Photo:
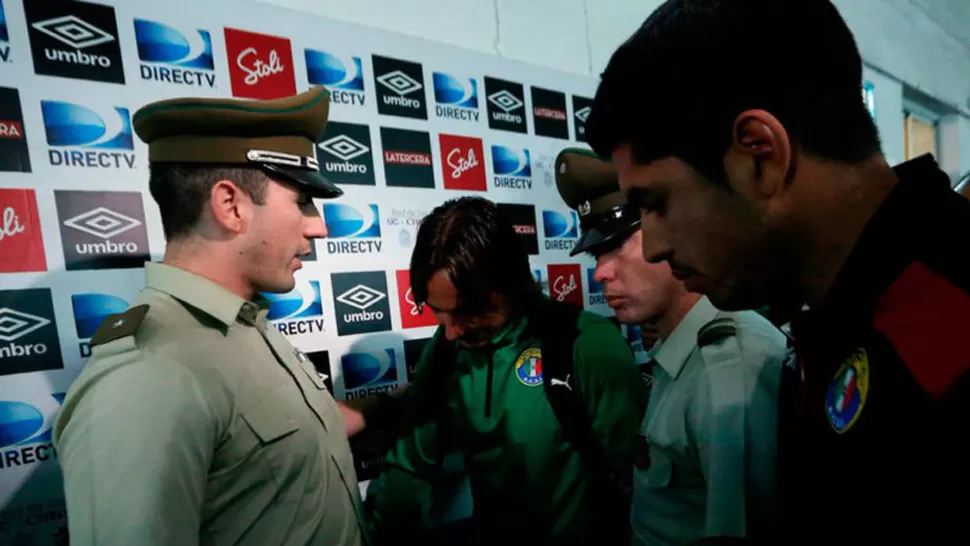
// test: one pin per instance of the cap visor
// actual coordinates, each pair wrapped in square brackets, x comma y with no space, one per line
[312,182]
[589,239]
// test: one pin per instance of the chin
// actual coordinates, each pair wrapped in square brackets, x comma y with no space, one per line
[279,286]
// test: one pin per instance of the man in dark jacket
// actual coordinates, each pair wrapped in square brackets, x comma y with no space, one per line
[738,129]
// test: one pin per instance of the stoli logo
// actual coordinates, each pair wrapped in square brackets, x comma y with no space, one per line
[562,288]
[461,164]
[255,68]
[409,298]
[412,316]
[11,224]
[565,285]
[21,242]
[263,67]
[462,169]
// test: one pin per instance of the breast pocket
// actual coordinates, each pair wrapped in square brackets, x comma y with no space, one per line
[256,444]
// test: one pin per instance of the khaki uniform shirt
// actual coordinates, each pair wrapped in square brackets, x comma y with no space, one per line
[711,428]
[203,426]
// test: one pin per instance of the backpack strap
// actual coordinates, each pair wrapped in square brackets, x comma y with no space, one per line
[556,325]
[444,358]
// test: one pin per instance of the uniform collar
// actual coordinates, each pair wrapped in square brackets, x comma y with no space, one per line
[205,295]
[890,240]
[672,352]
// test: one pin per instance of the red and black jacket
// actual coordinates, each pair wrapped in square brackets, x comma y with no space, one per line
[874,439]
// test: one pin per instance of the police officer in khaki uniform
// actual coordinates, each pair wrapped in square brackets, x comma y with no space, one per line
[706,461]
[195,421]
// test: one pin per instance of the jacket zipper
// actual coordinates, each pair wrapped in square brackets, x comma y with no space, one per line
[488,384]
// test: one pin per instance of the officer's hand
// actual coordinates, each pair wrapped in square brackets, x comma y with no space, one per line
[358,412]
[354,421]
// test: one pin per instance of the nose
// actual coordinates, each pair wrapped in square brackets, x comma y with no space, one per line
[452,330]
[654,247]
[314,227]
[604,271]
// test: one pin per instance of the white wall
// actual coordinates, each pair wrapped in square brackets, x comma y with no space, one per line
[899,41]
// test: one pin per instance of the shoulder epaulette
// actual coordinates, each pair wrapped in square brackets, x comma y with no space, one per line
[120,325]
[716,330]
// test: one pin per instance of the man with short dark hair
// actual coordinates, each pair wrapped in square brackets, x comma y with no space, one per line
[738,129]
[195,421]
[485,387]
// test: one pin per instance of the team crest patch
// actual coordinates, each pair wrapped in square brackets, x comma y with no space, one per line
[847,392]
[528,367]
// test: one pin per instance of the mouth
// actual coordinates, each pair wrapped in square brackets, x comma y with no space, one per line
[613,299]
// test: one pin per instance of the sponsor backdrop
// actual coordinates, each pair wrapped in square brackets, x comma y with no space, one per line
[413,123]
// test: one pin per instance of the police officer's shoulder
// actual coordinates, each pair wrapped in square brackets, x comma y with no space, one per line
[741,333]
[120,325]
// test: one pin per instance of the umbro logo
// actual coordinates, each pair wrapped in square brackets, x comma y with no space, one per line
[361,297]
[505,100]
[74,40]
[360,301]
[73,31]
[344,147]
[505,105]
[583,113]
[28,332]
[399,82]
[102,222]
[398,87]
[17,324]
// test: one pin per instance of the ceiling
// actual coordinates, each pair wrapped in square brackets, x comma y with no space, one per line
[953,16]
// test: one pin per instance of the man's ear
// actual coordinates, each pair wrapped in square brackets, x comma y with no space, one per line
[230,206]
[759,159]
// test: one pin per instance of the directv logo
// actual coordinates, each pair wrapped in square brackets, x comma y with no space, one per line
[85,136]
[90,310]
[561,230]
[512,168]
[359,227]
[25,430]
[299,311]
[370,373]
[4,37]
[171,56]
[455,98]
[342,76]
[596,295]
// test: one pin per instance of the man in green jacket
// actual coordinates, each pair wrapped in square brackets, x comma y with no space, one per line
[529,485]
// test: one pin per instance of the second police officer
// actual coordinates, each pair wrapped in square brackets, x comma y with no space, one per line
[706,461]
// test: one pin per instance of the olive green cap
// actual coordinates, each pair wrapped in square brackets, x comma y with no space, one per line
[278,135]
[589,185]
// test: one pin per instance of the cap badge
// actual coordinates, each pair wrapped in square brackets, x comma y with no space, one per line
[282,158]
[584,208]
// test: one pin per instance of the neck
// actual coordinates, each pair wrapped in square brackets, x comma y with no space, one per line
[679,306]
[213,262]
[849,198]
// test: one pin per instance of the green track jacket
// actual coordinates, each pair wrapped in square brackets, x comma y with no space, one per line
[526,481]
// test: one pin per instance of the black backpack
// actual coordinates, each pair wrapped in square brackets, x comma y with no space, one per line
[554,323]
